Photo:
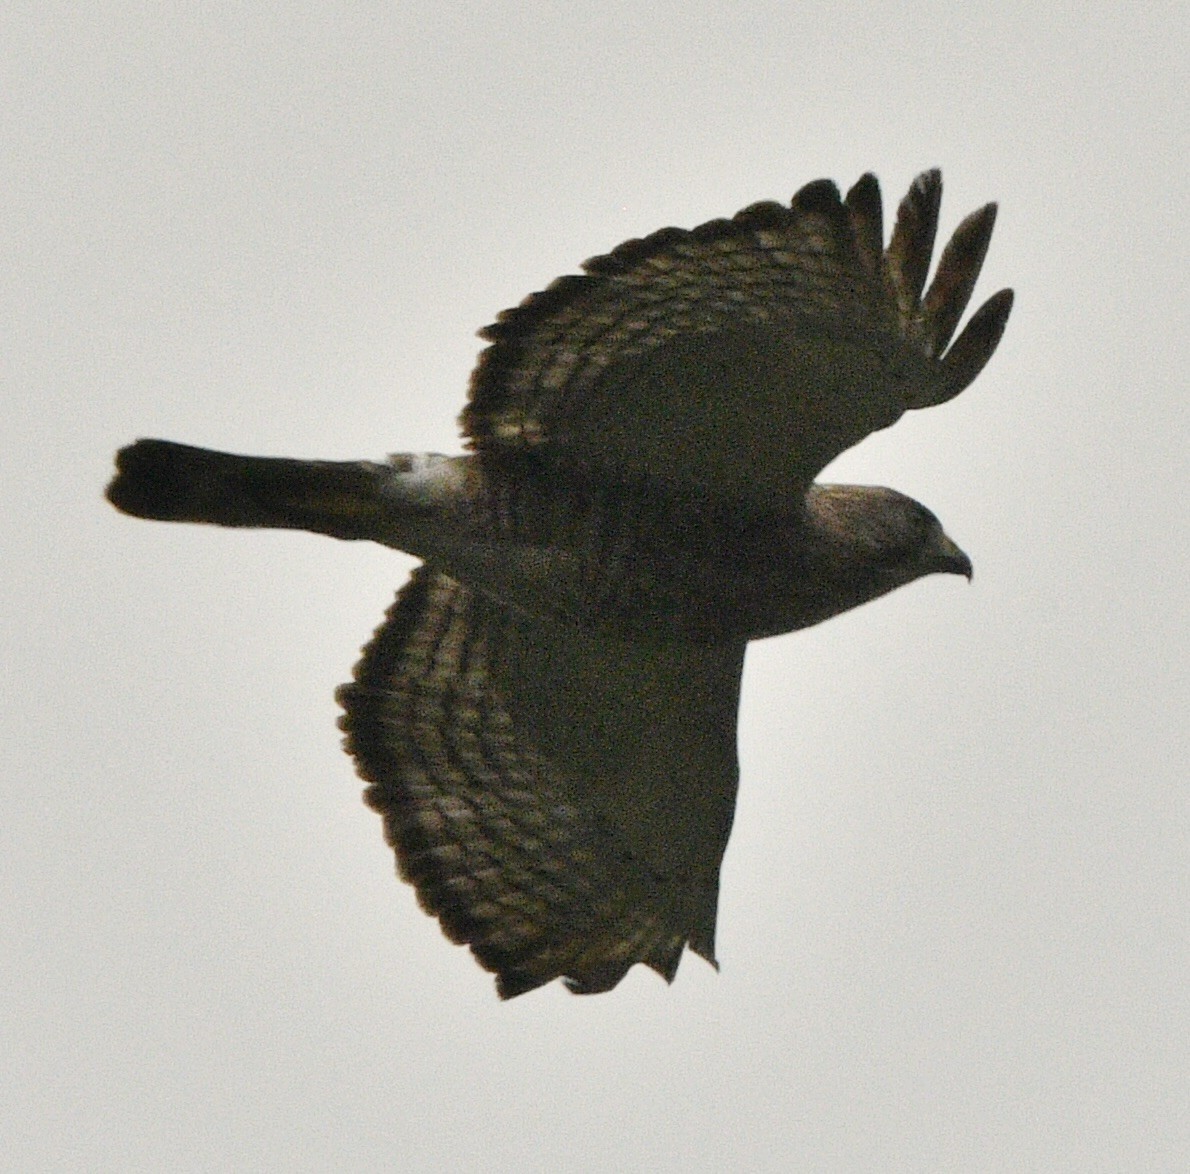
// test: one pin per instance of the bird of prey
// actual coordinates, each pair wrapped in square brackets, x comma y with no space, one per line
[546,719]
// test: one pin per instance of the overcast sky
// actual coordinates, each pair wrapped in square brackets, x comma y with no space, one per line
[954,920]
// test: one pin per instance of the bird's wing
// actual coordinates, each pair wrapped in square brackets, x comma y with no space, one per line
[560,800]
[742,356]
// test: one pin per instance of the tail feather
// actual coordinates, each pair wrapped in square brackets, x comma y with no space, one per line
[170,482]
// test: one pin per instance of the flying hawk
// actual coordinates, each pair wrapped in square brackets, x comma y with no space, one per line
[547,716]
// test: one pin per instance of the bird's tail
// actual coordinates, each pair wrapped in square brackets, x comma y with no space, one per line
[179,483]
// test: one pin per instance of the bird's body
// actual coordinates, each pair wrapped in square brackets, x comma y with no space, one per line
[624,559]
[547,718]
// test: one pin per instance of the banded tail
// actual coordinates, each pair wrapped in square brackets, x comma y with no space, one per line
[170,482]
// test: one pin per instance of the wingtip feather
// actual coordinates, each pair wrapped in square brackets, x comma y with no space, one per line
[954,281]
[912,243]
[820,195]
[866,209]
[977,343]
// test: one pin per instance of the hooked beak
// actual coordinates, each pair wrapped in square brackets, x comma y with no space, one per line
[952,560]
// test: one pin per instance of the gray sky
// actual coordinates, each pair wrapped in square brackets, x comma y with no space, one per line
[953,928]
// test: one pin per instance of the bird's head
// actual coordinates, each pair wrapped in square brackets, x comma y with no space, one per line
[885,530]
[868,541]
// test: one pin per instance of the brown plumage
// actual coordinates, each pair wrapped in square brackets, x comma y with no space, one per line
[546,719]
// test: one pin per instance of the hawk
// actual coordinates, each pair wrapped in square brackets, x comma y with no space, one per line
[546,719]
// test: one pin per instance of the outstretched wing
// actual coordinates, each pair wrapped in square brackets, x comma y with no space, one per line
[560,800]
[742,356]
